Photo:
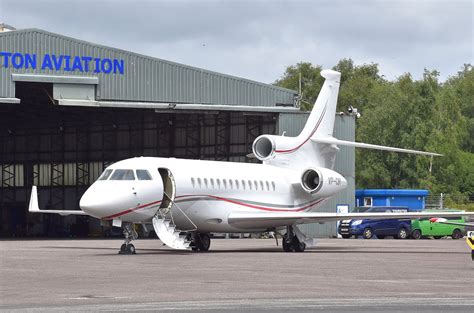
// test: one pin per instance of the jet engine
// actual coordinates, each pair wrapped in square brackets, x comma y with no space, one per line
[264,147]
[322,181]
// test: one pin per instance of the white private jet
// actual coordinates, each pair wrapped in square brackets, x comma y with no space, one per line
[185,200]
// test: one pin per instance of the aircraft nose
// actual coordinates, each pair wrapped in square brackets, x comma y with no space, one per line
[101,200]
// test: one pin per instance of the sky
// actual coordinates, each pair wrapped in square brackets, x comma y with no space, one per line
[258,39]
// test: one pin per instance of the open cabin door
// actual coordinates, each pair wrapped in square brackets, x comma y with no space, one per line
[169,189]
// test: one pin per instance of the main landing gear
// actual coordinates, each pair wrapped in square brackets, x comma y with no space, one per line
[130,234]
[200,241]
[291,243]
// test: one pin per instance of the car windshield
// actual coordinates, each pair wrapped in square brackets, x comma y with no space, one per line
[123,175]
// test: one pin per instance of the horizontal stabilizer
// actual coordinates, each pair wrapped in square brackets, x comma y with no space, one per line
[334,141]
[33,207]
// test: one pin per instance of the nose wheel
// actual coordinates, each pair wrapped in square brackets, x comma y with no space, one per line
[130,234]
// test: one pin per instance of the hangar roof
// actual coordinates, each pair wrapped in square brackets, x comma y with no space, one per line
[82,70]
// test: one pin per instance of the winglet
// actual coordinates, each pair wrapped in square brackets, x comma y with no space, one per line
[33,206]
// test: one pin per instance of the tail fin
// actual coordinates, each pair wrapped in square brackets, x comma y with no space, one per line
[321,120]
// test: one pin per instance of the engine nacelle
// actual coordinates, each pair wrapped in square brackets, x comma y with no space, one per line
[322,181]
[264,147]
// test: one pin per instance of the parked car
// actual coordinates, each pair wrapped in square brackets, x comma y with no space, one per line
[399,228]
[424,228]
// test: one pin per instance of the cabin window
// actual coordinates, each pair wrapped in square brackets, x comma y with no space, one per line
[105,175]
[261,185]
[212,182]
[236,184]
[218,183]
[143,175]
[224,181]
[205,182]
[255,184]
[250,185]
[268,185]
[193,182]
[123,175]
[243,184]
[273,185]
[199,182]
[231,185]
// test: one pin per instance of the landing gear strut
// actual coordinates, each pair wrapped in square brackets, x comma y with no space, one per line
[130,234]
[291,243]
[200,241]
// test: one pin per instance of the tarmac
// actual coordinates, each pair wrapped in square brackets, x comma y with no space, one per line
[239,275]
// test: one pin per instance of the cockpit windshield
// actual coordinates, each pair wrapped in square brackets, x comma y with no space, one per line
[123,175]
[143,175]
[105,175]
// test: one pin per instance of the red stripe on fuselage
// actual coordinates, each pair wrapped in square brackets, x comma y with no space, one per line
[218,198]
[131,210]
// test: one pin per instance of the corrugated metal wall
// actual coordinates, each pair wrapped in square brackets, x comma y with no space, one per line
[144,78]
[344,129]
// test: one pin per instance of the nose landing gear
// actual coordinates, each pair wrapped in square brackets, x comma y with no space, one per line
[130,234]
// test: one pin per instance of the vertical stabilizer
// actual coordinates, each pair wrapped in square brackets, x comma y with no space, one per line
[321,120]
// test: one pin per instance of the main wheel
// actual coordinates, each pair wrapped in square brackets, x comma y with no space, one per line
[416,234]
[205,242]
[367,234]
[402,233]
[287,245]
[297,245]
[457,234]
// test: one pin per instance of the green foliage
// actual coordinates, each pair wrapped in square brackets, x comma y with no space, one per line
[420,114]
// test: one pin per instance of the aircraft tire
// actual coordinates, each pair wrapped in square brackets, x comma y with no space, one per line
[367,234]
[287,245]
[203,242]
[297,245]
[131,249]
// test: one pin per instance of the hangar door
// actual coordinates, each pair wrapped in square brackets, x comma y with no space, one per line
[63,149]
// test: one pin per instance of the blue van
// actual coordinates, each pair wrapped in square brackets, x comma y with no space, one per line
[398,228]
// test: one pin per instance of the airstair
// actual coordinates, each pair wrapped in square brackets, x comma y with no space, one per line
[164,221]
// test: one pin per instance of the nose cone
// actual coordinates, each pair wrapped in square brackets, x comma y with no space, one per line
[104,199]
[91,202]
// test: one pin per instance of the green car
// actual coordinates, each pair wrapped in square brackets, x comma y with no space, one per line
[424,228]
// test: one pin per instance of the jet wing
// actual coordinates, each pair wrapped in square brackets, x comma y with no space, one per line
[33,207]
[334,141]
[276,219]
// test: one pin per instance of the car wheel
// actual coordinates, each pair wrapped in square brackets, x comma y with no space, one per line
[367,234]
[416,234]
[457,234]
[402,233]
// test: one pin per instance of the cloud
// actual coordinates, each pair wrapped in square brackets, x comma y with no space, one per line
[258,39]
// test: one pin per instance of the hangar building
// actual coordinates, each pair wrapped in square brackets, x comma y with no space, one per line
[69,108]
